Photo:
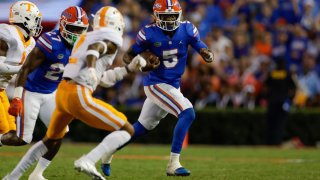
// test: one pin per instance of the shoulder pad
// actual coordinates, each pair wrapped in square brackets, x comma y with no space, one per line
[7,35]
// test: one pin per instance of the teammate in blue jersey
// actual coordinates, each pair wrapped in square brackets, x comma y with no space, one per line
[169,39]
[40,75]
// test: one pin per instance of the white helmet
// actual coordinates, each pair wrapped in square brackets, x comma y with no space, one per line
[109,17]
[28,15]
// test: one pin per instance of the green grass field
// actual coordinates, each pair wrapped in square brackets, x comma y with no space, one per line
[205,162]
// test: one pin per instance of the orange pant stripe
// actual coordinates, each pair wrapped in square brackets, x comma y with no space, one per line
[90,102]
[86,107]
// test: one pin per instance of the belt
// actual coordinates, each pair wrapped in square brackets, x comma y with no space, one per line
[67,79]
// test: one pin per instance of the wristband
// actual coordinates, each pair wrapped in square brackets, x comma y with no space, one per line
[93,53]
[18,92]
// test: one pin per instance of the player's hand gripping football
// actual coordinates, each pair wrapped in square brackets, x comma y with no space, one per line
[207,55]
[16,105]
[137,64]
[152,60]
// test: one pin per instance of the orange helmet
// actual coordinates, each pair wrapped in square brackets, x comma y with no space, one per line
[167,14]
[73,22]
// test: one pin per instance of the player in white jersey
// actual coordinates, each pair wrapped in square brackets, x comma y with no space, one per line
[40,75]
[16,42]
[91,56]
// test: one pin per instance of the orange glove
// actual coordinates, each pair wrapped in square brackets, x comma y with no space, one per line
[16,107]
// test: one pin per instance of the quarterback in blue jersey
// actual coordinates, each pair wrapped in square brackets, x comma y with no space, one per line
[40,75]
[168,38]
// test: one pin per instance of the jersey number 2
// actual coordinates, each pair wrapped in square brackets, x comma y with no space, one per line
[55,71]
[170,58]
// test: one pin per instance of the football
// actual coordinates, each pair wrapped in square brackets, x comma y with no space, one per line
[153,61]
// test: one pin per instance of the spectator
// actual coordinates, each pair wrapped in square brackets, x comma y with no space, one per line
[247,36]
[309,83]
[280,88]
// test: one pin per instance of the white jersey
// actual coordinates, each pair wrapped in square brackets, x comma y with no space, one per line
[18,49]
[77,61]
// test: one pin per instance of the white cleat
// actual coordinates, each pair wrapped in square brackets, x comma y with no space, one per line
[84,165]
[35,176]
[175,169]
[7,177]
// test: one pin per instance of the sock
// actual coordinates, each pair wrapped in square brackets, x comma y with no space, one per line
[106,158]
[33,154]
[139,130]
[186,118]
[174,157]
[41,166]
[109,145]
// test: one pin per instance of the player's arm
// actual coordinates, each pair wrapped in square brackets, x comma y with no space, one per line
[198,45]
[140,45]
[94,52]
[138,48]
[4,67]
[34,59]
[111,76]
[97,50]
[129,55]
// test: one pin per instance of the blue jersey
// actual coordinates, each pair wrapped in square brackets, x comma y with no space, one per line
[172,51]
[46,77]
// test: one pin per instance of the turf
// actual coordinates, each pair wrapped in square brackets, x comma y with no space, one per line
[205,162]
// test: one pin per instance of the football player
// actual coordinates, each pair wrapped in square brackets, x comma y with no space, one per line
[16,42]
[39,77]
[92,54]
[41,74]
[168,38]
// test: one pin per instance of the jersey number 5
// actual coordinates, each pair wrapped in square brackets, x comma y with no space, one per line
[170,58]
[55,71]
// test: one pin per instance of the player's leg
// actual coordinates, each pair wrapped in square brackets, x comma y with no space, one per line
[149,118]
[60,119]
[4,124]
[26,122]
[101,115]
[52,141]
[47,109]
[43,151]
[32,155]
[173,101]
[7,122]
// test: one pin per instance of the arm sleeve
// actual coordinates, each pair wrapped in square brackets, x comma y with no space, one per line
[194,37]
[7,68]
[141,43]
[110,77]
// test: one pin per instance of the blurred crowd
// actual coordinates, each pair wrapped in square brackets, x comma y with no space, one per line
[248,38]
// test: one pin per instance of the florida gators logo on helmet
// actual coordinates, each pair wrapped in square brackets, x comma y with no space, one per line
[73,22]
[167,14]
